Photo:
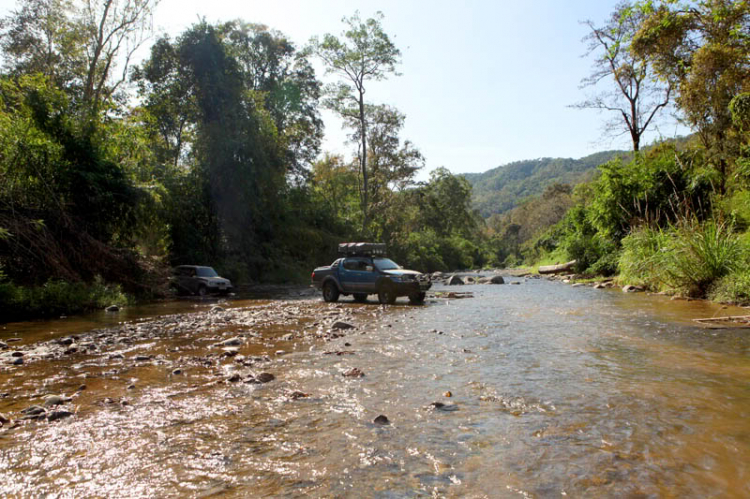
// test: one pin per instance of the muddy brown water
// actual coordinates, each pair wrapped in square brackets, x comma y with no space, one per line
[554,391]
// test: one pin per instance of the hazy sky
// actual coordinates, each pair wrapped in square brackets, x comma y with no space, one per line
[483,82]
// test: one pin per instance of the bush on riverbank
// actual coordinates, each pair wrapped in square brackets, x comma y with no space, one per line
[56,298]
[689,258]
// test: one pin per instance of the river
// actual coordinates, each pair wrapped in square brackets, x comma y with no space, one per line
[534,390]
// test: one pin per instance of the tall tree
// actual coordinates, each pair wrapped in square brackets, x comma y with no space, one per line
[704,48]
[275,70]
[42,36]
[637,96]
[79,45]
[114,29]
[362,54]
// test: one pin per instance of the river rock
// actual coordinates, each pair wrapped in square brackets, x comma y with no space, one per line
[295,395]
[65,342]
[177,372]
[216,309]
[497,279]
[454,280]
[354,373]
[629,288]
[18,361]
[265,377]
[142,358]
[17,354]
[381,420]
[516,283]
[232,342]
[51,400]
[57,415]
[112,308]
[4,419]
[341,325]
[440,406]
[235,378]
[3,345]
[33,410]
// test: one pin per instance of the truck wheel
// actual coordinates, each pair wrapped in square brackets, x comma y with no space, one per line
[417,298]
[360,297]
[330,292]
[386,294]
[202,291]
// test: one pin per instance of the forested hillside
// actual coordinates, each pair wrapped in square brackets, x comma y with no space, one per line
[501,189]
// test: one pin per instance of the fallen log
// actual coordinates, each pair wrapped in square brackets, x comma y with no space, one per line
[554,269]
[729,321]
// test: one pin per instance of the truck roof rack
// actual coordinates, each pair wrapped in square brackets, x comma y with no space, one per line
[363,249]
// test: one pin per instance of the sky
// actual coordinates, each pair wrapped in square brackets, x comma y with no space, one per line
[483,82]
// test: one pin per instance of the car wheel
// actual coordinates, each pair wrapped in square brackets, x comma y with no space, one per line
[386,294]
[330,292]
[202,291]
[417,298]
[360,297]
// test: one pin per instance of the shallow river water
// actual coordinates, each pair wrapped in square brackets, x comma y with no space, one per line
[554,391]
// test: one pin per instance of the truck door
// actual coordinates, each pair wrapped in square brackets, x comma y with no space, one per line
[355,274]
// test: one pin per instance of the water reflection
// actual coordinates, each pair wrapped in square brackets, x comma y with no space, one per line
[553,390]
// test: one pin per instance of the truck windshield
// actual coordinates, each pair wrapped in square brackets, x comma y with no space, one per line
[385,264]
[206,272]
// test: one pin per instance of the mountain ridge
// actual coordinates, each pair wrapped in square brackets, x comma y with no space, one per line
[500,189]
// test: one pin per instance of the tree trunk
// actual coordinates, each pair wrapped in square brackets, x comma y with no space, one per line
[553,269]
[365,186]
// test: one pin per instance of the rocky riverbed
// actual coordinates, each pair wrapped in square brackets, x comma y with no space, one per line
[221,345]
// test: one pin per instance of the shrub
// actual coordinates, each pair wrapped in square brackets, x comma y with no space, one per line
[643,257]
[732,288]
[700,254]
[57,297]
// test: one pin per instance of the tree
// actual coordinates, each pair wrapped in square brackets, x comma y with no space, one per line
[78,47]
[392,164]
[114,29]
[274,69]
[364,53]
[703,47]
[637,96]
[42,36]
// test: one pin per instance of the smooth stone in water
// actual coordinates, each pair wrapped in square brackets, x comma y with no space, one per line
[232,342]
[3,345]
[354,373]
[18,361]
[177,372]
[33,410]
[341,325]
[265,377]
[381,420]
[55,415]
[51,400]
[112,308]
[4,419]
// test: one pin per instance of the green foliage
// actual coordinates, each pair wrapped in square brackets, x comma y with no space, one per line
[689,257]
[643,259]
[733,288]
[56,297]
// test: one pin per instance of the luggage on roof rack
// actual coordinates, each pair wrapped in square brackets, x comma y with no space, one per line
[362,249]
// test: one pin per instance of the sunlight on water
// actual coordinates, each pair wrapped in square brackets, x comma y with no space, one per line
[523,391]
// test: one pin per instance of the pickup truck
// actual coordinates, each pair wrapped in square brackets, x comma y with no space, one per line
[361,275]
